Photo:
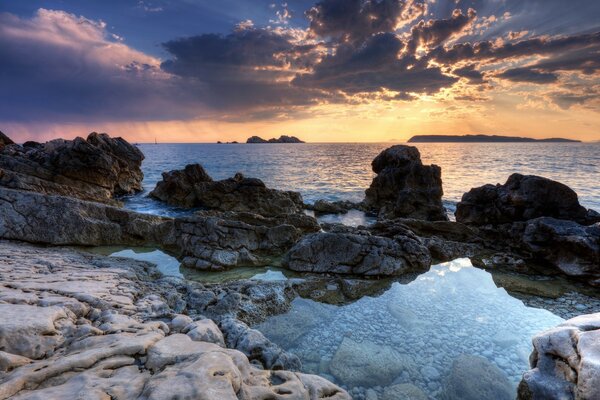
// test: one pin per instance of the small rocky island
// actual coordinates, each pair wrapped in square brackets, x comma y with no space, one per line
[281,139]
[80,325]
[483,139]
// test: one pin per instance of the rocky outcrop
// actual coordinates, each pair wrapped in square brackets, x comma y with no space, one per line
[217,241]
[193,187]
[358,254]
[281,139]
[334,207]
[565,362]
[5,140]
[58,220]
[404,187]
[521,198]
[95,169]
[82,326]
[570,248]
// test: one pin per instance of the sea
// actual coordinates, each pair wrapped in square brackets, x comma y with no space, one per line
[342,171]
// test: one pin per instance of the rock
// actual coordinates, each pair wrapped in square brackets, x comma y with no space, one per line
[569,247]
[95,169]
[475,378]
[205,331]
[257,347]
[404,391]
[358,254]
[521,198]
[281,139]
[368,364]
[336,207]
[565,362]
[256,139]
[5,140]
[84,320]
[58,220]
[192,187]
[404,187]
[180,322]
[223,241]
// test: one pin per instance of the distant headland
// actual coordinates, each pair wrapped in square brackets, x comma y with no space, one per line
[282,139]
[482,138]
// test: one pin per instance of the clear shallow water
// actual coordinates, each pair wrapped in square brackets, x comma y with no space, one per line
[342,171]
[413,332]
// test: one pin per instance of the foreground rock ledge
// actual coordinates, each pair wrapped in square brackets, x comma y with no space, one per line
[77,326]
[565,362]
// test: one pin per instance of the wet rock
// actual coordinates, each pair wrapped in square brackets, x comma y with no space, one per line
[564,362]
[368,364]
[223,241]
[404,391]
[346,253]
[569,247]
[521,198]
[475,378]
[59,220]
[334,207]
[404,187]
[95,169]
[193,187]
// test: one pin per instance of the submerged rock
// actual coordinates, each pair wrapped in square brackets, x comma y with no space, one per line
[368,364]
[521,198]
[96,169]
[565,362]
[403,391]
[358,254]
[193,187]
[404,187]
[475,378]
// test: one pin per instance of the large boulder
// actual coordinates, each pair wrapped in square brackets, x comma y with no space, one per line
[58,220]
[521,198]
[96,169]
[404,187]
[358,254]
[193,187]
[565,362]
[218,241]
[569,247]
[5,140]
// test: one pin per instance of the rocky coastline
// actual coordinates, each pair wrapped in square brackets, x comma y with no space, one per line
[77,324]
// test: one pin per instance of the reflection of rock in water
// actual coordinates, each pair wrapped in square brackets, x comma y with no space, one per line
[475,378]
[368,364]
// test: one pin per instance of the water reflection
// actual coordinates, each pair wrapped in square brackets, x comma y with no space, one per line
[416,334]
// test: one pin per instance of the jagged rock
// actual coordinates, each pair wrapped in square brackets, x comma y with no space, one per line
[521,198]
[222,241]
[105,345]
[193,187]
[335,207]
[368,364]
[404,187]
[347,253]
[475,378]
[256,139]
[571,248]
[256,346]
[565,362]
[281,139]
[59,220]
[5,140]
[95,169]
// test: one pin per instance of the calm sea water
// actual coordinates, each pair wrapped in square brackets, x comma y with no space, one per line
[342,171]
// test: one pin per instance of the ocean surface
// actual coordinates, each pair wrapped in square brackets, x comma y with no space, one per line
[342,171]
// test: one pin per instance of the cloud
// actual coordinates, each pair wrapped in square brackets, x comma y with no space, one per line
[528,75]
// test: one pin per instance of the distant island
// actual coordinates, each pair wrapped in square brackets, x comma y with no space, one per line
[481,138]
[282,139]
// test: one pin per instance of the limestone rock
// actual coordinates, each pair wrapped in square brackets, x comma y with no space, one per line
[404,187]
[521,198]
[193,187]
[475,378]
[346,253]
[205,331]
[368,364]
[565,362]
[96,169]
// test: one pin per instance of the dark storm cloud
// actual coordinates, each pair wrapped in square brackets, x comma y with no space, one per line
[435,32]
[528,75]
[474,77]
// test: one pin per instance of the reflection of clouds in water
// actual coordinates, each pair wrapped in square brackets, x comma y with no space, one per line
[166,264]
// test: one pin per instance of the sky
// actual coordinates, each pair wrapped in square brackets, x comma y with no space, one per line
[325,71]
